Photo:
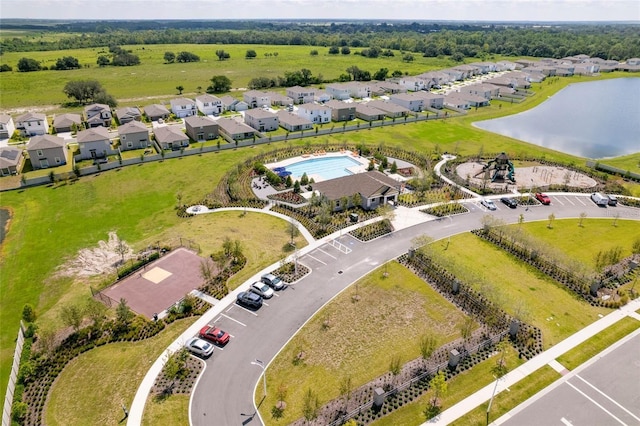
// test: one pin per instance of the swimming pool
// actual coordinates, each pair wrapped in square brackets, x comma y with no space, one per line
[323,168]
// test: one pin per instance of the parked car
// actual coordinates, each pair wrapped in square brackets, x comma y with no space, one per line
[262,290]
[214,334]
[509,202]
[613,200]
[599,199]
[272,281]
[488,204]
[543,198]
[249,299]
[199,347]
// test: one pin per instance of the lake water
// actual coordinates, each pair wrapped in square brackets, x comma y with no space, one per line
[595,120]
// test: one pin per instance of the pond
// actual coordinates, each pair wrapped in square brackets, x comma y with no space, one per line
[596,119]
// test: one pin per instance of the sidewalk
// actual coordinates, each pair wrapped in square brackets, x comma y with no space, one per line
[546,357]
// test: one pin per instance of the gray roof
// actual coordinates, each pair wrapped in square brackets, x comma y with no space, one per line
[228,100]
[259,113]
[96,108]
[367,184]
[124,112]
[292,119]
[166,134]
[5,118]
[232,127]
[365,108]
[336,104]
[199,121]
[66,120]
[132,127]
[388,106]
[92,135]
[155,110]
[182,101]
[314,107]
[207,98]
[31,116]
[45,142]
[10,157]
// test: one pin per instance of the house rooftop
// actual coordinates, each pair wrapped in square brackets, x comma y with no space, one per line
[199,121]
[92,135]
[167,134]
[132,127]
[367,184]
[31,116]
[45,142]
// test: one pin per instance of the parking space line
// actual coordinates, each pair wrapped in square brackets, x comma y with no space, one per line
[314,258]
[233,319]
[319,249]
[568,200]
[565,421]
[580,201]
[558,200]
[596,404]
[276,294]
[609,398]
[264,303]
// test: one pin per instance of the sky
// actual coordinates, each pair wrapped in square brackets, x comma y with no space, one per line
[413,10]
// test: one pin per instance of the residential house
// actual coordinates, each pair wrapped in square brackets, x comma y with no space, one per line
[69,122]
[390,109]
[32,124]
[98,115]
[455,101]
[11,161]
[133,135]
[387,87]
[201,129]
[209,104]
[485,67]
[256,99]
[633,61]
[156,112]
[375,189]
[170,137]
[454,74]
[586,68]
[235,130]
[293,122]
[315,113]
[368,113]
[278,99]
[410,101]
[474,100]
[468,70]
[94,143]
[341,111]
[413,84]
[128,114]
[47,151]
[261,120]
[338,91]
[302,95]
[430,99]
[487,91]
[6,126]
[524,63]
[435,78]
[505,66]
[322,97]
[183,107]
[228,103]
[358,89]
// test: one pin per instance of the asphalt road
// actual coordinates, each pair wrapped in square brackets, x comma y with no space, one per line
[224,393]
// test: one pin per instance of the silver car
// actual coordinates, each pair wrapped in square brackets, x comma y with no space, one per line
[488,204]
[261,289]
[200,347]
[272,281]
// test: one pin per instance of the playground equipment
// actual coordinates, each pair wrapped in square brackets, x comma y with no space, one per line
[500,169]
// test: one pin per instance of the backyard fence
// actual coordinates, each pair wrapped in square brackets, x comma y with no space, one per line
[13,377]
[603,167]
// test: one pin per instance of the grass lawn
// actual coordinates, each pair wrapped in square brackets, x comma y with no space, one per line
[361,337]
[517,287]
[175,407]
[459,387]
[596,344]
[575,241]
[506,401]
[92,387]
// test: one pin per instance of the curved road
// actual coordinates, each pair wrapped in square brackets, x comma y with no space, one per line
[224,393]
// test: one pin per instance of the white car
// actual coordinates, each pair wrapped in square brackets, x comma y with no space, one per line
[200,347]
[261,289]
[488,204]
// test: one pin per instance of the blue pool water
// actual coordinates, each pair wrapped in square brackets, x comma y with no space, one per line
[327,167]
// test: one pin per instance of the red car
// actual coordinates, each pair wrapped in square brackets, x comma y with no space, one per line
[543,198]
[214,335]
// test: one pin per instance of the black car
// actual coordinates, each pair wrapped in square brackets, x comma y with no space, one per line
[509,202]
[249,299]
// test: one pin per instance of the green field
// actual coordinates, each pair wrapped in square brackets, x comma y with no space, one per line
[359,339]
[153,79]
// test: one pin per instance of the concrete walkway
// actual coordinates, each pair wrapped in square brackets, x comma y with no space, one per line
[547,357]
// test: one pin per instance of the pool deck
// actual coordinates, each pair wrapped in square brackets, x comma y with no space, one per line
[364,162]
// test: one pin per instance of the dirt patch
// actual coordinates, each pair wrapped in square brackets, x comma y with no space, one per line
[527,177]
[98,260]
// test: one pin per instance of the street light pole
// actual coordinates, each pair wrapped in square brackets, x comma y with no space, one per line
[264,374]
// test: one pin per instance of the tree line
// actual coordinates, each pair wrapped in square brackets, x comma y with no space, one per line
[617,42]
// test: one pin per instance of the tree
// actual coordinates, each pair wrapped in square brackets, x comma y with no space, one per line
[407,57]
[293,229]
[345,391]
[66,63]
[250,54]
[103,60]
[583,216]
[28,313]
[125,59]
[334,50]
[28,65]
[222,55]
[105,98]
[180,88]
[439,386]
[304,179]
[381,74]
[296,187]
[71,316]
[466,328]
[84,91]
[123,314]
[122,249]
[345,50]
[187,57]
[313,52]
[95,311]
[5,68]
[499,370]
[169,57]
[219,84]
[428,344]
[551,218]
